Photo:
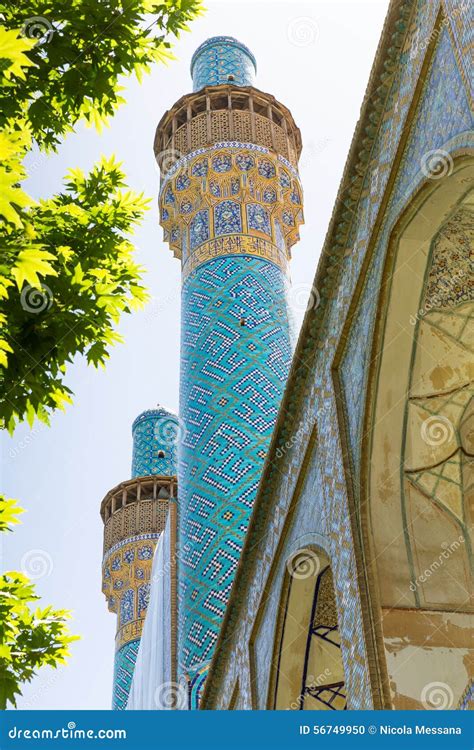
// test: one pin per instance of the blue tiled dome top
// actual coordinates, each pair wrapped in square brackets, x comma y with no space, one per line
[153,414]
[155,443]
[222,59]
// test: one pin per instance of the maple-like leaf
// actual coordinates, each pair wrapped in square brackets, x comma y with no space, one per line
[30,265]
[12,49]
[12,197]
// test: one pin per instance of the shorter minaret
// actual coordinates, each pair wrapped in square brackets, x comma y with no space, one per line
[134,515]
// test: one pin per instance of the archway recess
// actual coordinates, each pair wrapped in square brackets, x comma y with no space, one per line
[420,461]
[308,669]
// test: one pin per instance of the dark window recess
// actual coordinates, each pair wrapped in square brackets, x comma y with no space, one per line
[239,102]
[260,109]
[181,118]
[219,102]
[199,106]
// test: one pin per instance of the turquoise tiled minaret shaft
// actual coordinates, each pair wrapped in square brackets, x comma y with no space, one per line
[134,518]
[220,60]
[230,207]
[154,443]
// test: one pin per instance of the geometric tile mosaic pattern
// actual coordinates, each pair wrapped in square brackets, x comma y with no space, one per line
[154,443]
[443,120]
[443,113]
[220,57]
[443,117]
[235,360]
[127,564]
[217,200]
[124,665]
[231,212]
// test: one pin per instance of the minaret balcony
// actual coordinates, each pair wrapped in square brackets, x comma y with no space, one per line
[226,113]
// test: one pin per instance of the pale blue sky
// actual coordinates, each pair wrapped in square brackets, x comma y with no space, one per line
[315,57]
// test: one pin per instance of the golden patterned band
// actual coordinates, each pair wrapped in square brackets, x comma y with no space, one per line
[129,632]
[235,244]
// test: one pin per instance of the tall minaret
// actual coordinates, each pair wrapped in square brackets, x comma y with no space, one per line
[230,206]
[134,515]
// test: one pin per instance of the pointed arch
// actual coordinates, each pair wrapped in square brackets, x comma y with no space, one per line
[418,463]
[308,672]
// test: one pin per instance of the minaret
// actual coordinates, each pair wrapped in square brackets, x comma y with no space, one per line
[230,206]
[134,515]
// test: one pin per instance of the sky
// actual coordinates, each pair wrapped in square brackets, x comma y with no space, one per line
[315,57]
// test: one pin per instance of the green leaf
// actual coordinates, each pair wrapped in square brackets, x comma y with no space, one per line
[73,247]
[30,265]
[9,512]
[12,197]
[13,48]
